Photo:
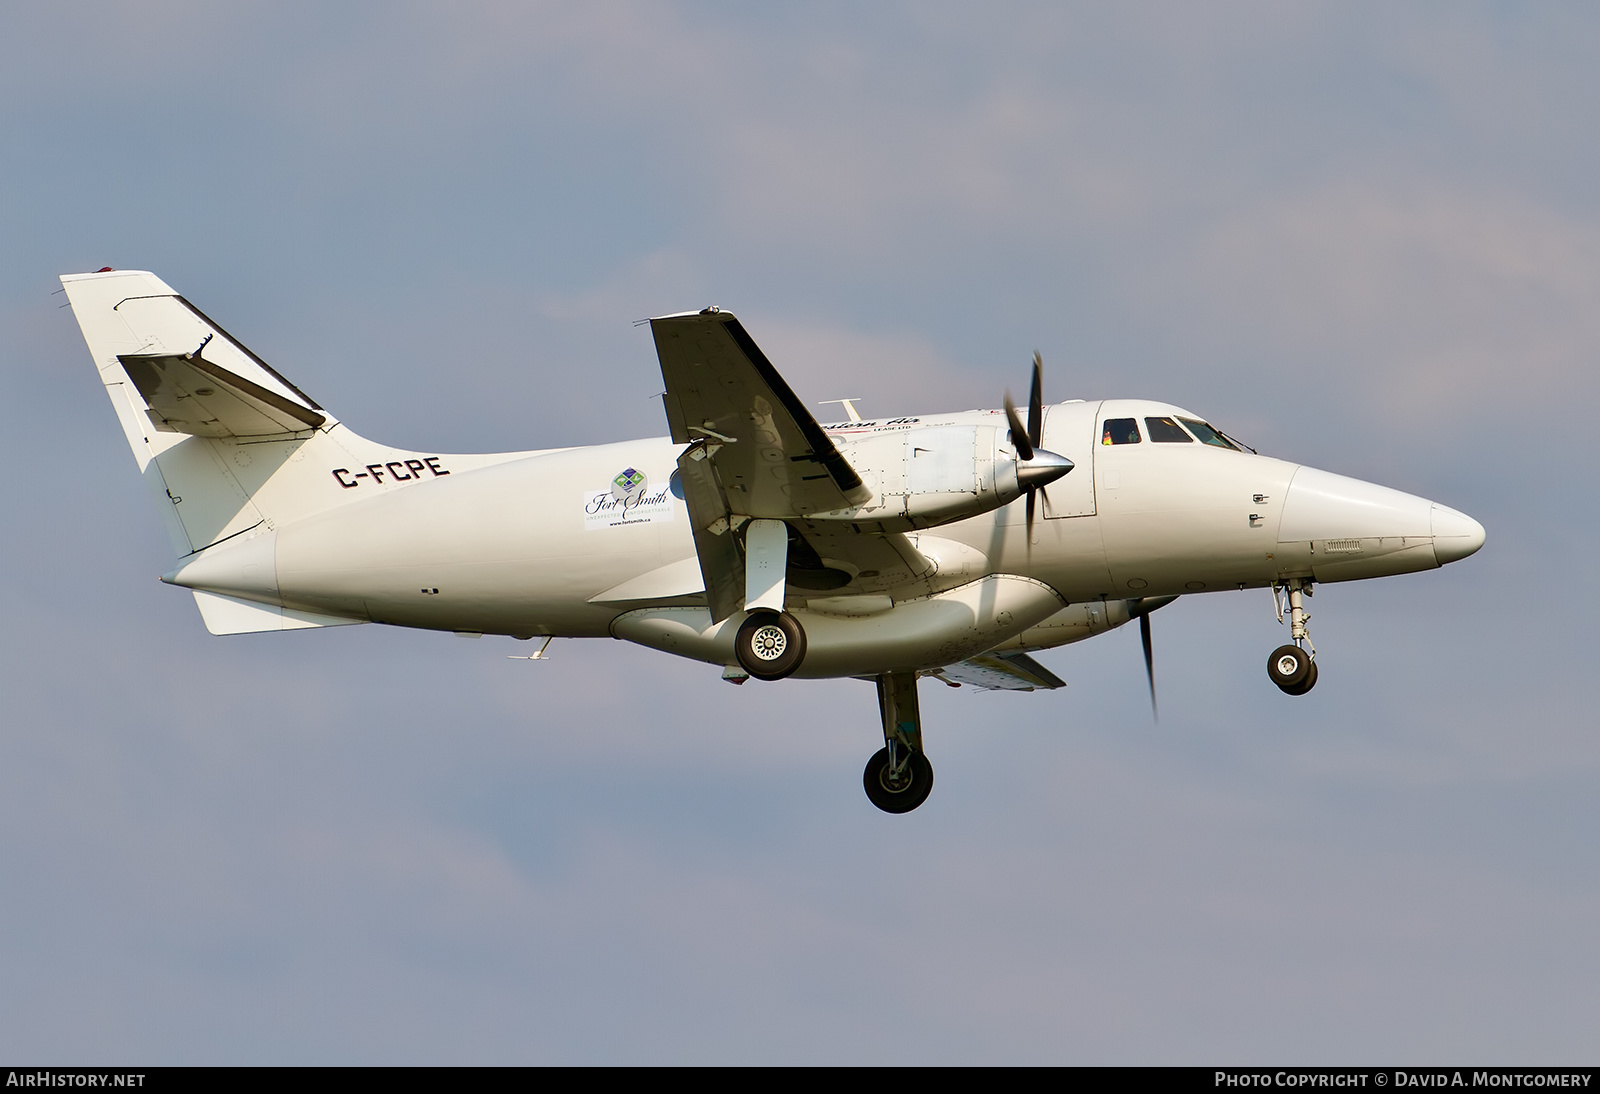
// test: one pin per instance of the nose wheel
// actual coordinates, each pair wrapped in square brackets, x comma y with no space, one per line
[1293,668]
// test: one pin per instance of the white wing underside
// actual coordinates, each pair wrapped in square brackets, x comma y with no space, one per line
[1002,672]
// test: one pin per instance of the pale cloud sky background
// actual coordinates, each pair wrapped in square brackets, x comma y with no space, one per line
[1362,236]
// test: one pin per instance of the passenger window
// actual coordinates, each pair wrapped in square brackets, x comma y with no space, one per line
[1209,435]
[1165,429]
[1120,431]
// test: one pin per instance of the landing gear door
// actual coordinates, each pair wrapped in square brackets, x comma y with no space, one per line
[1069,432]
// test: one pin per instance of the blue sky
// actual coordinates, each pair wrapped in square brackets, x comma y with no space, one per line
[1365,237]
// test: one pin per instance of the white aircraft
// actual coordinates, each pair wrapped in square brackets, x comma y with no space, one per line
[753,539]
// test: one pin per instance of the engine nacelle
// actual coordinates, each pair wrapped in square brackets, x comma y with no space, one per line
[1073,623]
[922,476]
[925,633]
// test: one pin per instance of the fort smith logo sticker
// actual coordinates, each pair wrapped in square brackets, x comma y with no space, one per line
[629,485]
[630,500]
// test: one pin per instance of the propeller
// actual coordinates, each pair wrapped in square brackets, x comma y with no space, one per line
[1149,663]
[1036,467]
[1142,608]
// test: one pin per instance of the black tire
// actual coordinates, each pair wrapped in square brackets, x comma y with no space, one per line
[1305,685]
[1288,666]
[770,645]
[918,783]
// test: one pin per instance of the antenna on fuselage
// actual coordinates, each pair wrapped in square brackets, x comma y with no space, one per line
[849,406]
[540,655]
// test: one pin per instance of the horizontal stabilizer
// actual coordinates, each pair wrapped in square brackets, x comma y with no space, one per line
[230,615]
[674,581]
[188,394]
[1003,672]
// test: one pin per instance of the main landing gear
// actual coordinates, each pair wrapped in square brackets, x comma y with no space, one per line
[770,645]
[899,777]
[1294,668]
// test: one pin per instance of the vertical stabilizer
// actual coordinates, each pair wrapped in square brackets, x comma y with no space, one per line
[230,449]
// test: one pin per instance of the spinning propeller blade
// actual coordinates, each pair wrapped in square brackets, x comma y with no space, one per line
[1042,467]
[1036,403]
[1019,436]
[1149,663]
[1142,608]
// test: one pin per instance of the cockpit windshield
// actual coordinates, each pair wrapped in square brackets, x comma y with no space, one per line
[1167,430]
[1207,434]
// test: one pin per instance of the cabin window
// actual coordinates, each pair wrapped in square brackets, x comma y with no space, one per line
[1164,430]
[1120,431]
[1209,435]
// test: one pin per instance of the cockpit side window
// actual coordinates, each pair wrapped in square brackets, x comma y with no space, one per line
[1120,431]
[1208,435]
[1164,430]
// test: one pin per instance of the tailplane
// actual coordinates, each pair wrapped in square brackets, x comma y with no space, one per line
[208,421]
[229,448]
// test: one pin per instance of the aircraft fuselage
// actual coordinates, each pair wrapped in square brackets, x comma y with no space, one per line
[542,544]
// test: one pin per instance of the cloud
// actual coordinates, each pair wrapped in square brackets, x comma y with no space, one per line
[1420,299]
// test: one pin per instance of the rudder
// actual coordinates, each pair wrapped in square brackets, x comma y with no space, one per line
[198,409]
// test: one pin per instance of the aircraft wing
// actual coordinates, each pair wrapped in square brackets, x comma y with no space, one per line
[1003,672]
[771,456]
[757,452]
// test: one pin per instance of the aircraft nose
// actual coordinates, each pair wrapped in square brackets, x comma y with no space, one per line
[1455,535]
[1323,506]
[1351,529]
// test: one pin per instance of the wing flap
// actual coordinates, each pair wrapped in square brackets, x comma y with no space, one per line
[721,560]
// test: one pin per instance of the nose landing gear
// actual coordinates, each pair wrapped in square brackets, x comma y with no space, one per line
[899,777]
[1294,668]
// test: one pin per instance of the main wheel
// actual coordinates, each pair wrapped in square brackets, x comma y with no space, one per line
[1288,666]
[770,645]
[898,795]
[1305,685]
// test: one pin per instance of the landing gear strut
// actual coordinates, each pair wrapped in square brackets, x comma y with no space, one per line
[899,777]
[770,643]
[1294,668]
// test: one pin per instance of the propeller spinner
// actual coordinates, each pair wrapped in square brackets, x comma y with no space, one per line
[1036,467]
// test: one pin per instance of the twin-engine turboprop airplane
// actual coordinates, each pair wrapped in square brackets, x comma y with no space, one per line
[754,539]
